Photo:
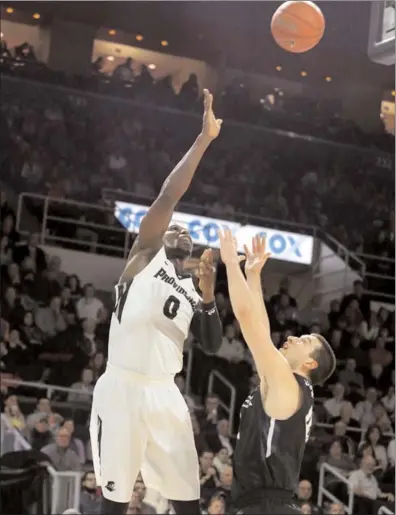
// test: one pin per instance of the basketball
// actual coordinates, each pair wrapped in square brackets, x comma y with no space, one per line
[298,26]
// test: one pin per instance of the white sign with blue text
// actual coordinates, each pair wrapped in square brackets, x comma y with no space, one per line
[284,246]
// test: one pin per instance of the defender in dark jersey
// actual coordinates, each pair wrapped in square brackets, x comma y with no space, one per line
[276,418]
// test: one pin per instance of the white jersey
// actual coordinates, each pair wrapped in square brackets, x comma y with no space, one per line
[151,319]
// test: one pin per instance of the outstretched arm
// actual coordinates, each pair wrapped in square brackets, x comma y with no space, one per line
[206,325]
[157,218]
[281,398]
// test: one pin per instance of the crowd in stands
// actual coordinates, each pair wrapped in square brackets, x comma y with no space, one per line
[54,330]
[69,144]
[66,143]
[277,110]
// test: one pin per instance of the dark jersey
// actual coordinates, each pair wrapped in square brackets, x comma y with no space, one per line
[268,452]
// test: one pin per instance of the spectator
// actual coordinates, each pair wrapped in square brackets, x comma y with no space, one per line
[73,283]
[89,343]
[369,330]
[97,65]
[363,300]
[181,384]
[336,509]
[364,409]
[221,438]
[212,413]
[31,249]
[356,352]
[68,308]
[50,320]
[85,388]
[304,492]
[124,71]
[43,411]
[13,413]
[207,474]
[372,439]
[90,500]
[348,446]
[199,437]
[29,332]
[98,365]
[12,277]
[376,378]
[349,378]
[306,508]
[55,270]
[41,435]
[379,355]
[75,443]
[62,457]
[11,307]
[221,460]
[337,459]
[389,400]
[365,486]
[334,404]
[224,488]
[216,506]
[6,256]
[89,306]
[144,507]
[391,453]
[231,348]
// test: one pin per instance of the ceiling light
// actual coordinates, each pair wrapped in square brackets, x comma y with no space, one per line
[9,10]
[36,16]
[328,78]
[164,43]
[112,32]
[278,68]
[110,58]
[152,66]
[303,74]
[139,37]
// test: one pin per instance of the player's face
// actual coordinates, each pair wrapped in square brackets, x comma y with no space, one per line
[178,239]
[298,351]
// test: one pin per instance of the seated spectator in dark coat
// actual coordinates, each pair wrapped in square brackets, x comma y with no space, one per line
[221,438]
[31,249]
[41,435]
[90,500]
[11,307]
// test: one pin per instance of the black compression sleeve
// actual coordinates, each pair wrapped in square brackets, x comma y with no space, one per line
[207,328]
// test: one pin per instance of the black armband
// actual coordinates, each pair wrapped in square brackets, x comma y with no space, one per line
[207,328]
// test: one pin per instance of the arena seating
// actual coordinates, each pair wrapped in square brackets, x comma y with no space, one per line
[62,139]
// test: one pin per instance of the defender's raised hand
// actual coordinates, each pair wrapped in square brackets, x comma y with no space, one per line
[258,256]
[228,248]
[210,125]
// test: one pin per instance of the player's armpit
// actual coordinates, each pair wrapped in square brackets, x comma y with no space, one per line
[280,392]
[207,328]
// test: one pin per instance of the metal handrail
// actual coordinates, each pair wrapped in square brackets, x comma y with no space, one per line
[41,386]
[374,256]
[325,467]
[231,408]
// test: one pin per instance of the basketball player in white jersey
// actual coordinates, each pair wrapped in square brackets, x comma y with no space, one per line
[139,419]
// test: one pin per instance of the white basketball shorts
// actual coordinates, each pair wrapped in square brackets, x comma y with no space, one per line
[142,424]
